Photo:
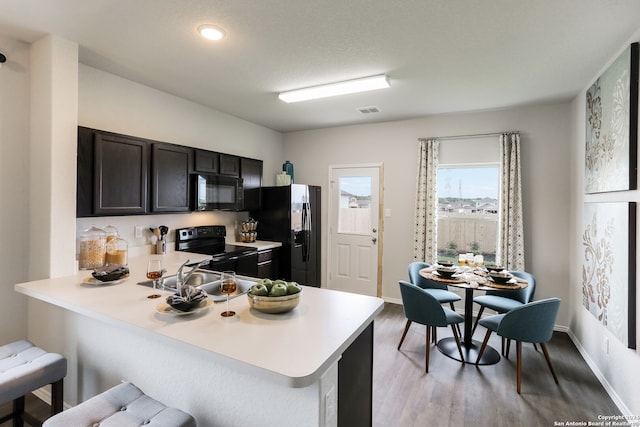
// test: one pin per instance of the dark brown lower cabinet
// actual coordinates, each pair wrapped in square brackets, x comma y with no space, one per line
[355,382]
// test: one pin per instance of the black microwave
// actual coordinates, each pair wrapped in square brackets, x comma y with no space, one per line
[219,192]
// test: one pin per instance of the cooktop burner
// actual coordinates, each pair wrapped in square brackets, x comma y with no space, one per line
[209,240]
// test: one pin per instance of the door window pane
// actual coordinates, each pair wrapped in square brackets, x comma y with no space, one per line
[468,205]
[355,204]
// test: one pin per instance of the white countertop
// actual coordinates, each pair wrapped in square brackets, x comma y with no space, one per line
[258,244]
[297,346]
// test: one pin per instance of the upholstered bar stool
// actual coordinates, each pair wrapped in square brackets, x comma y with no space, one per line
[124,405]
[25,368]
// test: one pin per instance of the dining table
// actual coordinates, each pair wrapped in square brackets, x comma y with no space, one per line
[470,279]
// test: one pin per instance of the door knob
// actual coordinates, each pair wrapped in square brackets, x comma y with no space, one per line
[373,239]
[375,230]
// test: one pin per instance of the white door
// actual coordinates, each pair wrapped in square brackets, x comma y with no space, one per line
[355,229]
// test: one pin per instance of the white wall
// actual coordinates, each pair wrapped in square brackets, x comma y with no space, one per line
[14,187]
[545,131]
[619,368]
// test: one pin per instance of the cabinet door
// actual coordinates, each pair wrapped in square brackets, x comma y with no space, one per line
[120,175]
[207,161]
[229,165]
[171,166]
[251,174]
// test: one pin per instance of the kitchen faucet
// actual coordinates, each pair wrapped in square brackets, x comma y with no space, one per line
[182,278]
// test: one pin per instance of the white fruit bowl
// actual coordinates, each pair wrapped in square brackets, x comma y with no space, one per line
[274,305]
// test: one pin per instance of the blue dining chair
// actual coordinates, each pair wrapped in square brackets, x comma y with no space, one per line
[502,301]
[532,322]
[421,307]
[437,289]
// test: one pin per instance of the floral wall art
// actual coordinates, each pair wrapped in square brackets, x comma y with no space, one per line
[612,126]
[608,267]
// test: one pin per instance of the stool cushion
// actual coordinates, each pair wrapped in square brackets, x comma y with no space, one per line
[25,368]
[124,405]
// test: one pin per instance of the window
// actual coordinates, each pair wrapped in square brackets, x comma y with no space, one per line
[355,201]
[468,206]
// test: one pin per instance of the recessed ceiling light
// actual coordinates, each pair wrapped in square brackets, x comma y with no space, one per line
[211,32]
[333,89]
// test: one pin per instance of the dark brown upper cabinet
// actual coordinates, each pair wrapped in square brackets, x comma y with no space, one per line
[207,161]
[229,165]
[112,174]
[251,174]
[125,175]
[171,166]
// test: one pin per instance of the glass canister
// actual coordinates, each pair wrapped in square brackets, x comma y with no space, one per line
[92,248]
[117,252]
[111,232]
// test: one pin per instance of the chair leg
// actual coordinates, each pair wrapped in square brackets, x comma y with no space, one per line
[456,335]
[434,339]
[428,346]
[453,308]
[506,348]
[57,397]
[406,329]
[546,356]
[18,412]
[484,345]
[518,365]
[475,325]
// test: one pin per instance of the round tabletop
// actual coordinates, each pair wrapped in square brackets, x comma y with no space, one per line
[477,278]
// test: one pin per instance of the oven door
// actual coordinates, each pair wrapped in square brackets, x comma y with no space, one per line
[217,192]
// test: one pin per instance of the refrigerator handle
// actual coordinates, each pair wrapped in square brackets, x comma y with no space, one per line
[305,231]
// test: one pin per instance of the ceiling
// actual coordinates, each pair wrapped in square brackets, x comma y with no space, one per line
[441,56]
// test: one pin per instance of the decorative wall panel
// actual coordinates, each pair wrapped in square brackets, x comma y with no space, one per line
[609,267]
[612,127]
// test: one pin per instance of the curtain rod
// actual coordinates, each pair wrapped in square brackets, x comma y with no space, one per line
[474,135]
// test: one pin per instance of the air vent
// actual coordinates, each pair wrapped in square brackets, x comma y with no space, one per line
[368,110]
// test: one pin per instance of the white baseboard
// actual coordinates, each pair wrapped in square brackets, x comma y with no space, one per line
[594,368]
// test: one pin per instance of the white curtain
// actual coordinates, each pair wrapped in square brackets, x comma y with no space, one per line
[511,236]
[426,221]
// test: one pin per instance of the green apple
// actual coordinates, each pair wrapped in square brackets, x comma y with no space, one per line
[293,288]
[278,290]
[259,290]
[266,282]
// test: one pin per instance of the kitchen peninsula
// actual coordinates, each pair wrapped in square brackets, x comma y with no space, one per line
[252,369]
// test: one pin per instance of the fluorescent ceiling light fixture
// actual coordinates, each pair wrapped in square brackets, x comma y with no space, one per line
[211,32]
[332,89]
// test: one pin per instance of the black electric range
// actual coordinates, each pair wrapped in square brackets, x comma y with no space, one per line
[210,240]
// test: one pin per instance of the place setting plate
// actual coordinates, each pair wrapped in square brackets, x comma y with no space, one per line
[164,308]
[90,280]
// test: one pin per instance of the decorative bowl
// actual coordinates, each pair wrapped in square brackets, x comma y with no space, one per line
[191,297]
[274,305]
[446,271]
[445,263]
[493,267]
[500,277]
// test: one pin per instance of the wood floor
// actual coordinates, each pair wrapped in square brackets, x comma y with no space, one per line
[453,394]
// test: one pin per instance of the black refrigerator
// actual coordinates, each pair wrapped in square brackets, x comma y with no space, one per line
[291,215]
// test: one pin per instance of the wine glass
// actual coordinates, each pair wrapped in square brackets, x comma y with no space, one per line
[228,286]
[155,272]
